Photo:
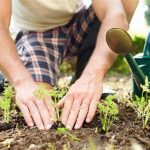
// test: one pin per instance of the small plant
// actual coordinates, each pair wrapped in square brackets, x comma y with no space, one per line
[53,96]
[42,92]
[5,103]
[57,94]
[108,110]
[142,108]
[146,115]
[66,131]
[142,105]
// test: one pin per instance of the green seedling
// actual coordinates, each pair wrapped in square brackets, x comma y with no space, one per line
[146,88]
[53,96]
[142,108]
[20,114]
[146,115]
[66,131]
[57,94]
[108,110]
[42,92]
[142,105]
[5,103]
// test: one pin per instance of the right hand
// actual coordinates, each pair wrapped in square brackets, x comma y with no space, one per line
[40,112]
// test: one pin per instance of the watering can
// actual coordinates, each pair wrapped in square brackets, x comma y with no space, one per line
[120,42]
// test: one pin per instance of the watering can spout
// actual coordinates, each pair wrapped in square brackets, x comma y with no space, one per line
[120,42]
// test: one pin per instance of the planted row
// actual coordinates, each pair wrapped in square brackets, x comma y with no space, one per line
[108,109]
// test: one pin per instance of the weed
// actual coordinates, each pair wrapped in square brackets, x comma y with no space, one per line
[108,110]
[146,89]
[66,131]
[5,103]
[142,104]
[53,95]
[57,94]
[42,92]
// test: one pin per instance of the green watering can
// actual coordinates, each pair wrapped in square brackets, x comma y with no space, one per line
[120,42]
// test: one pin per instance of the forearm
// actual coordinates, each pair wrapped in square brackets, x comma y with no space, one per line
[102,57]
[111,13]
[112,16]
[10,64]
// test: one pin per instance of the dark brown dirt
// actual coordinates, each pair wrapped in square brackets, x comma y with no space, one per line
[122,135]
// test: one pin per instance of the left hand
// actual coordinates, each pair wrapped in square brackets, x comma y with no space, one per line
[80,103]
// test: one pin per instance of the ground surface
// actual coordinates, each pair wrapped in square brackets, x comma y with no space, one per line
[125,134]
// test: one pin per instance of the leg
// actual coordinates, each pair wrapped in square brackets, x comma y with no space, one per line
[86,49]
[41,53]
[82,38]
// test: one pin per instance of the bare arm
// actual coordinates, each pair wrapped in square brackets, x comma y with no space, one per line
[34,111]
[112,13]
[10,63]
[129,7]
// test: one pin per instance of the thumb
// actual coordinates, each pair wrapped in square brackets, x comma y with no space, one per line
[61,103]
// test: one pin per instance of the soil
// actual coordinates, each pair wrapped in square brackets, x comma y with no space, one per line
[125,134]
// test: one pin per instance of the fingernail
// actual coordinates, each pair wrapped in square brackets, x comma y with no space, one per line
[88,120]
[48,126]
[31,124]
[68,127]
[76,126]
[41,128]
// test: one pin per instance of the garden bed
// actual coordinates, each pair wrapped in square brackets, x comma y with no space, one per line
[126,133]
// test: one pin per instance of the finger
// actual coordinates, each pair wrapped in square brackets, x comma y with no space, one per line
[66,110]
[50,105]
[83,112]
[44,113]
[92,110]
[35,115]
[61,103]
[74,113]
[26,115]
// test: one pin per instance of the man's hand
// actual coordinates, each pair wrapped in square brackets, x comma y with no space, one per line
[38,111]
[80,102]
